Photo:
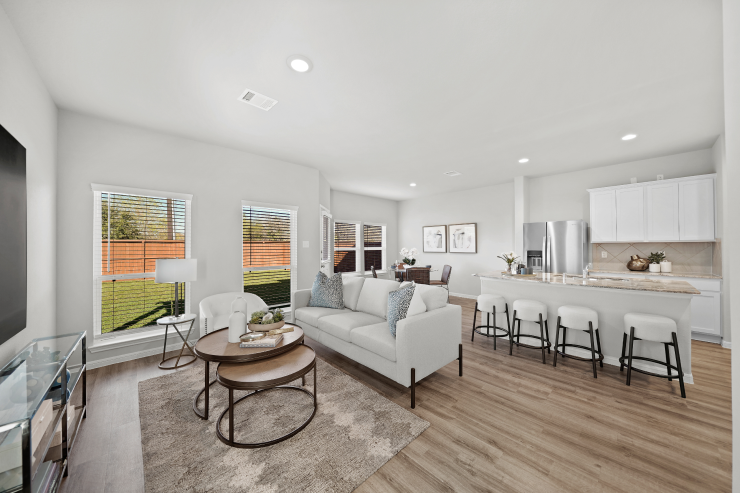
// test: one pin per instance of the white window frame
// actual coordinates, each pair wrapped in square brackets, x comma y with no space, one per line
[97,257]
[381,248]
[357,248]
[326,256]
[293,244]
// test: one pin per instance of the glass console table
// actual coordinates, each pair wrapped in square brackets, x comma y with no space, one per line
[42,403]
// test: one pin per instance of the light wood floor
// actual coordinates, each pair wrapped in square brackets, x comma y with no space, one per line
[509,424]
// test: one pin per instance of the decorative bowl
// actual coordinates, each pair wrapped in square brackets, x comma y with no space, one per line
[637,263]
[266,327]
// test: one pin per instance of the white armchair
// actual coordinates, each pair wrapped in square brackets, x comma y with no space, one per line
[215,310]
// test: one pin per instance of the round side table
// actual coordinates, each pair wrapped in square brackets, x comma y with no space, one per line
[173,321]
[216,347]
[263,376]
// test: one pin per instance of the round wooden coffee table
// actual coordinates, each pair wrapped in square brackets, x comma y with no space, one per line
[264,376]
[217,348]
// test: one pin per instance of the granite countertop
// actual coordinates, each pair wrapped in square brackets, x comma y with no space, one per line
[631,284]
[697,275]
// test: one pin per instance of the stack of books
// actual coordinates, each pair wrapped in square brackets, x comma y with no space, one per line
[270,341]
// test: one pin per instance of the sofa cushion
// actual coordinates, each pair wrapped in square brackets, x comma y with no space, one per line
[398,305]
[327,291]
[376,339]
[417,302]
[374,296]
[352,287]
[434,296]
[311,314]
[342,324]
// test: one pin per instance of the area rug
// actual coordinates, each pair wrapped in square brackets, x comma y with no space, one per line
[355,431]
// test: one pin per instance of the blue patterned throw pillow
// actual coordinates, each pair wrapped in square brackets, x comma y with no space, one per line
[327,292]
[398,305]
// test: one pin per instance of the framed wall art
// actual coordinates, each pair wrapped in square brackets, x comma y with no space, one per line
[463,238]
[434,239]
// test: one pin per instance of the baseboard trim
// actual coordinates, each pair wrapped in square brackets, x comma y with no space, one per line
[698,336]
[726,344]
[122,358]
[462,295]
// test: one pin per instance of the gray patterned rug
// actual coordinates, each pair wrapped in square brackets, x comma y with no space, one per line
[354,432]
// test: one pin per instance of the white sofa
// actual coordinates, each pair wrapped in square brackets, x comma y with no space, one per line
[424,342]
[215,310]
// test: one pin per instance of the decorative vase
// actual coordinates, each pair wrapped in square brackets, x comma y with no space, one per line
[637,263]
[266,327]
[239,305]
[666,266]
[237,326]
[654,267]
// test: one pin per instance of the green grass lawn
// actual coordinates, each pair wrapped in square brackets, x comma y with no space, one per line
[134,303]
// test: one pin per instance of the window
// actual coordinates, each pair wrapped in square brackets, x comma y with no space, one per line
[358,246]
[345,246]
[374,246]
[132,229]
[269,251]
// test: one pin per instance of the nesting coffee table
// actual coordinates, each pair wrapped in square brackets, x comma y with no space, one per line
[217,348]
[265,375]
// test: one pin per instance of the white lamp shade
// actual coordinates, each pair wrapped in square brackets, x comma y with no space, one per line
[176,270]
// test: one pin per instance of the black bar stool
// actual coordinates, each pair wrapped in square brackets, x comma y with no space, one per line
[655,328]
[579,318]
[492,304]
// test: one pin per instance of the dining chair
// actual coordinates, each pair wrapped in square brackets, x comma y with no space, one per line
[420,275]
[375,274]
[445,281]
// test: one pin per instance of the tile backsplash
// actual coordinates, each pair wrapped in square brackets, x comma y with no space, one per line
[697,257]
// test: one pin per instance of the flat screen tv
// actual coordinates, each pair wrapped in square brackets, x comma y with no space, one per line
[12,236]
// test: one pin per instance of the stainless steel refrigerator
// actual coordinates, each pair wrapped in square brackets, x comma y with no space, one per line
[557,246]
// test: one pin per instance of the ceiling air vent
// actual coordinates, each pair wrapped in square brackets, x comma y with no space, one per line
[452,173]
[256,99]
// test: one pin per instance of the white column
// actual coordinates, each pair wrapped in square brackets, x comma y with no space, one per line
[731,226]
[521,213]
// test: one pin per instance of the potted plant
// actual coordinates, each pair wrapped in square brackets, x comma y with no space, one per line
[655,260]
[409,255]
[267,321]
[509,258]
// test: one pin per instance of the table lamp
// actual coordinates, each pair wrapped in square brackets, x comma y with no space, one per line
[177,270]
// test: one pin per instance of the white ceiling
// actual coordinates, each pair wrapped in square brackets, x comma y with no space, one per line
[400,91]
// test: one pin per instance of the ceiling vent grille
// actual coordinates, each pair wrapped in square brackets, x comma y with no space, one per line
[256,99]
[452,173]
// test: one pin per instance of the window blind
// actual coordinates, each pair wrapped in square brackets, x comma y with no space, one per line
[131,233]
[268,253]
[345,247]
[372,235]
[325,227]
[373,240]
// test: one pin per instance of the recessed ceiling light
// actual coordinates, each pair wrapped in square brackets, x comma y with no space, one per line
[629,137]
[299,63]
[452,173]
[524,160]
[412,184]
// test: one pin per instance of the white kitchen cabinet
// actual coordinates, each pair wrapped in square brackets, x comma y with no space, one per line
[696,209]
[679,209]
[603,216]
[630,214]
[662,212]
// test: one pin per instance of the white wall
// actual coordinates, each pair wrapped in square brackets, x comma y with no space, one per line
[353,207]
[93,150]
[563,196]
[29,114]
[731,178]
[723,197]
[492,208]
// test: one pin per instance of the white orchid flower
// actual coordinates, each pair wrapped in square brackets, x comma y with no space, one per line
[404,252]
[414,251]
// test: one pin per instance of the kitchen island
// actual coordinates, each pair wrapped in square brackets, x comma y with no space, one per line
[611,298]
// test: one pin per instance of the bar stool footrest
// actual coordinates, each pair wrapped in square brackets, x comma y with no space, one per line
[599,356]
[521,344]
[505,331]
[623,361]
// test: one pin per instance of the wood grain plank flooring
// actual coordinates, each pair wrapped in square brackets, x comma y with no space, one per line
[510,424]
